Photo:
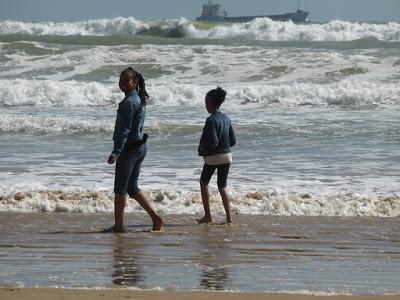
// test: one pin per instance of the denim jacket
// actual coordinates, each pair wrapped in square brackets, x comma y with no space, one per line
[218,136]
[129,123]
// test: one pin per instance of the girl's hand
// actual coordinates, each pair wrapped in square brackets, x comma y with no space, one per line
[112,158]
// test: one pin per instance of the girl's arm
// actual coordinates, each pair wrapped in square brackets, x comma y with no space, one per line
[232,138]
[123,126]
[209,139]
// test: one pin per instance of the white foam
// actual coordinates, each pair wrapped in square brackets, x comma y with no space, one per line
[258,29]
[22,92]
[344,93]
[185,64]
[268,30]
[348,92]
[47,124]
[14,123]
[271,202]
[118,25]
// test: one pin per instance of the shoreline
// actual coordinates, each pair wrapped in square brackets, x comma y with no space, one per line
[324,256]
[115,294]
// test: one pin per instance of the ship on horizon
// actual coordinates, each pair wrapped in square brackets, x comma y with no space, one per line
[212,13]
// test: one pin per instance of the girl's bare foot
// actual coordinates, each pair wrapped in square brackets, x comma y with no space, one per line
[158,224]
[204,220]
[115,229]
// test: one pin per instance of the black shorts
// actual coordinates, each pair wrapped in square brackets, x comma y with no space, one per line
[127,171]
[222,174]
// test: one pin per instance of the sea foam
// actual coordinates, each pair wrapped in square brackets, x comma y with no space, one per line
[259,29]
[48,124]
[22,92]
[267,30]
[348,93]
[118,25]
[272,202]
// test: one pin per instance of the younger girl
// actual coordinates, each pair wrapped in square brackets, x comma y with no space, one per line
[130,148]
[215,143]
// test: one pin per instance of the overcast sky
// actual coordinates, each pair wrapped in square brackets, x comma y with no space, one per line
[72,10]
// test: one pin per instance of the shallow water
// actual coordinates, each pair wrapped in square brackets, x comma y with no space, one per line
[319,117]
[331,155]
[259,253]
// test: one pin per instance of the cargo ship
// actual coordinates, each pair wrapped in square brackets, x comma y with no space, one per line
[212,13]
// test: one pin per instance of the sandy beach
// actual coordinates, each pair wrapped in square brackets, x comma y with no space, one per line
[296,255]
[47,294]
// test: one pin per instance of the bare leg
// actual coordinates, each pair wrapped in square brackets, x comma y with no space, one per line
[119,207]
[227,206]
[205,196]
[158,223]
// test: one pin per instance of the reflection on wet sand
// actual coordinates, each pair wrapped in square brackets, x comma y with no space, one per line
[214,278]
[214,260]
[314,254]
[127,271]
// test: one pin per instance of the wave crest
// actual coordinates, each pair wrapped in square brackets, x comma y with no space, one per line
[118,25]
[348,93]
[263,29]
[272,202]
[22,92]
[63,125]
[259,29]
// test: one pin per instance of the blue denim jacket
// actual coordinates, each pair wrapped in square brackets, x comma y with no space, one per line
[218,136]
[129,123]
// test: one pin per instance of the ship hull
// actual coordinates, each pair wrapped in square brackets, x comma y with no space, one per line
[298,17]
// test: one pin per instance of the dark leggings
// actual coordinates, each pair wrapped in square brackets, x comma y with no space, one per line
[222,174]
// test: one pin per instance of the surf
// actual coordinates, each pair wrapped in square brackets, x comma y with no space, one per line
[262,29]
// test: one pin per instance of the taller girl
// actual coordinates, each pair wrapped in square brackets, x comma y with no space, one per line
[130,148]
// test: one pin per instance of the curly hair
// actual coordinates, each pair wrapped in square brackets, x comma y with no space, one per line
[217,95]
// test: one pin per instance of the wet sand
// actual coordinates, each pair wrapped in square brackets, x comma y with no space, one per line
[314,255]
[49,294]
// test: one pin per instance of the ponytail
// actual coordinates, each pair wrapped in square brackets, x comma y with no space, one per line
[141,89]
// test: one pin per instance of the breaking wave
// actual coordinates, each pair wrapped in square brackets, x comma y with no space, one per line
[348,93]
[268,30]
[263,29]
[171,202]
[22,92]
[17,123]
[118,25]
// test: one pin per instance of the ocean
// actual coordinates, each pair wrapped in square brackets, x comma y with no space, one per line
[315,108]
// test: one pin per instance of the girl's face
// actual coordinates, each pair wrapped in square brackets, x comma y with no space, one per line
[126,83]
[210,105]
